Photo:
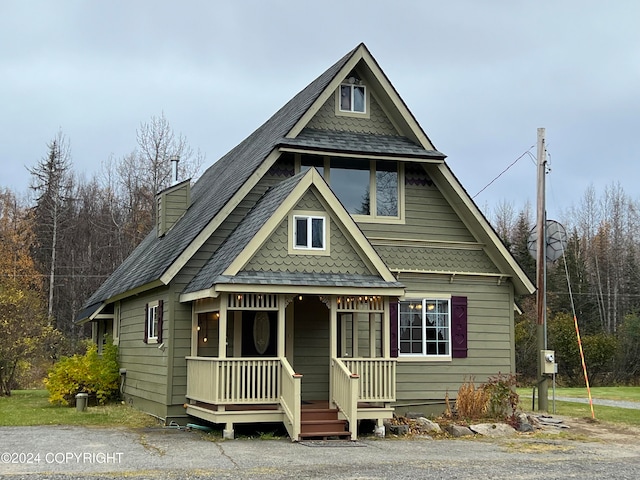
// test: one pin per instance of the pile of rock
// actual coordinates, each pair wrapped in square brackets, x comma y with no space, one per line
[415,424]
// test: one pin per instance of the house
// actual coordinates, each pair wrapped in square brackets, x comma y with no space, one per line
[328,269]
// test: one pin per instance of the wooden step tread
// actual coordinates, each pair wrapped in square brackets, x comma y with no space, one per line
[324,434]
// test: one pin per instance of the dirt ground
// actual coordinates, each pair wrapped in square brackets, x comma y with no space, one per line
[601,431]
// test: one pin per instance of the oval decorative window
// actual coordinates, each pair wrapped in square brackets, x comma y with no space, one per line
[261,332]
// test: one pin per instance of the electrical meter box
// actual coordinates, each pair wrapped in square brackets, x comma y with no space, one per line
[548,362]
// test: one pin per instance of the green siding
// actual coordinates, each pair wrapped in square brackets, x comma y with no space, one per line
[146,364]
[490,340]
[274,255]
[428,216]
[378,122]
[311,347]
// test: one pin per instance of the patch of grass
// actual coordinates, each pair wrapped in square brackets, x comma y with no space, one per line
[629,394]
[626,416]
[31,407]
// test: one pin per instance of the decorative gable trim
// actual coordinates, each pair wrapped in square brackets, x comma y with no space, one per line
[334,208]
[376,81]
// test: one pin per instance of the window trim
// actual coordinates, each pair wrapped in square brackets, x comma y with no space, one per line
[425,356]
[352,113]
[292,230]
[152,333]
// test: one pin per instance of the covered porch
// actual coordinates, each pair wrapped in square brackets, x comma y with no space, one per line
[318,363]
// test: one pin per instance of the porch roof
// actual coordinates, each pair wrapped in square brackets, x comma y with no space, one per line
[299,283]
[308,279]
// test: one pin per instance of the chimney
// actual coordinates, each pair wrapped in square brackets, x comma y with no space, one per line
[174,169]
[172,202]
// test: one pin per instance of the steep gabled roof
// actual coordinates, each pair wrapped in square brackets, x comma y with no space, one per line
[225,266]
[149,261]
[157,260]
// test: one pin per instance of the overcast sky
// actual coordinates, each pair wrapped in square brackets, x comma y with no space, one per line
[479,76]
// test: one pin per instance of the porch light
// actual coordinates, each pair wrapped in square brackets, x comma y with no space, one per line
[205,339]
[198,328]
[300,297]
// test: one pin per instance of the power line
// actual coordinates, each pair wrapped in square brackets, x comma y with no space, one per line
[504,171]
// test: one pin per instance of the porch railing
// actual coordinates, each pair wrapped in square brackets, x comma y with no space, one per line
[345,392]
[247,381]
[234,381]
[290,399]
[377,378]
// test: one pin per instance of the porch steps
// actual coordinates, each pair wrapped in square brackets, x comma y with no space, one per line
[322,423]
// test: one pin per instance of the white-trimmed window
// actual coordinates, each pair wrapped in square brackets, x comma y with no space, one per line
[309,232]
[152,323]
[424,327]
[353,98]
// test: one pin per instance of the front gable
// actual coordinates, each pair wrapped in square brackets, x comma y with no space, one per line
[339,255]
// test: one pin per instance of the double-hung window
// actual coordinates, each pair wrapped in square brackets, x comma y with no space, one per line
[309,232]
[152,323]
[424,327]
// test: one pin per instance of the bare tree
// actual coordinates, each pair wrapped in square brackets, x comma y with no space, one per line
[51,182]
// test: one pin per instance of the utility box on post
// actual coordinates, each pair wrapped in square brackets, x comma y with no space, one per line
[548,362]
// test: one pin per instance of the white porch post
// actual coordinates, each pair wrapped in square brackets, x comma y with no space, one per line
[281,326]
[194,332]
[333,343]
[372,335]
[222,327]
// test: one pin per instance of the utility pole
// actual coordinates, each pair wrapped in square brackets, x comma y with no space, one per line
[541,264]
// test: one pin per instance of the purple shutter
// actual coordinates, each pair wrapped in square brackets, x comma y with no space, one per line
[160,310]
[393,329]
[146,323]
[459,327]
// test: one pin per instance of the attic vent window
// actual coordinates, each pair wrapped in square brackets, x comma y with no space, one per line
[353,97]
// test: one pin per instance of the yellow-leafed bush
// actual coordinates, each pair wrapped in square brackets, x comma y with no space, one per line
[90,373]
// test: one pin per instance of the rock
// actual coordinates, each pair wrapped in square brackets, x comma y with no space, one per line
[399,429]
[493,429]
[458,431]
[524,423]
[427,426]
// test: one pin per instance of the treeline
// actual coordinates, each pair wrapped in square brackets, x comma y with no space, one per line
[598,279]
[64,237]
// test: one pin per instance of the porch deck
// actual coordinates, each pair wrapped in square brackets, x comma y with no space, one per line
[245,390]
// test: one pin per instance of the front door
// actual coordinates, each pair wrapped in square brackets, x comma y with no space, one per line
[259,334]
[311,353]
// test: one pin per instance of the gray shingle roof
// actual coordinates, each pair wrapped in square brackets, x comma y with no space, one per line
[242,234]
[308,279]
[352,142]
[210,193]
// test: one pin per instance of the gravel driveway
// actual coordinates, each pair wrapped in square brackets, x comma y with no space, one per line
[160,453]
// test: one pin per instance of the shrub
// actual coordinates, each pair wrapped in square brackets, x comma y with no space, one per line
[495,399]
[90,373]
[503,399]
[472,402]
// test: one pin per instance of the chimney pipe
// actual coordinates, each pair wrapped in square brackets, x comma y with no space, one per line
[174,169]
